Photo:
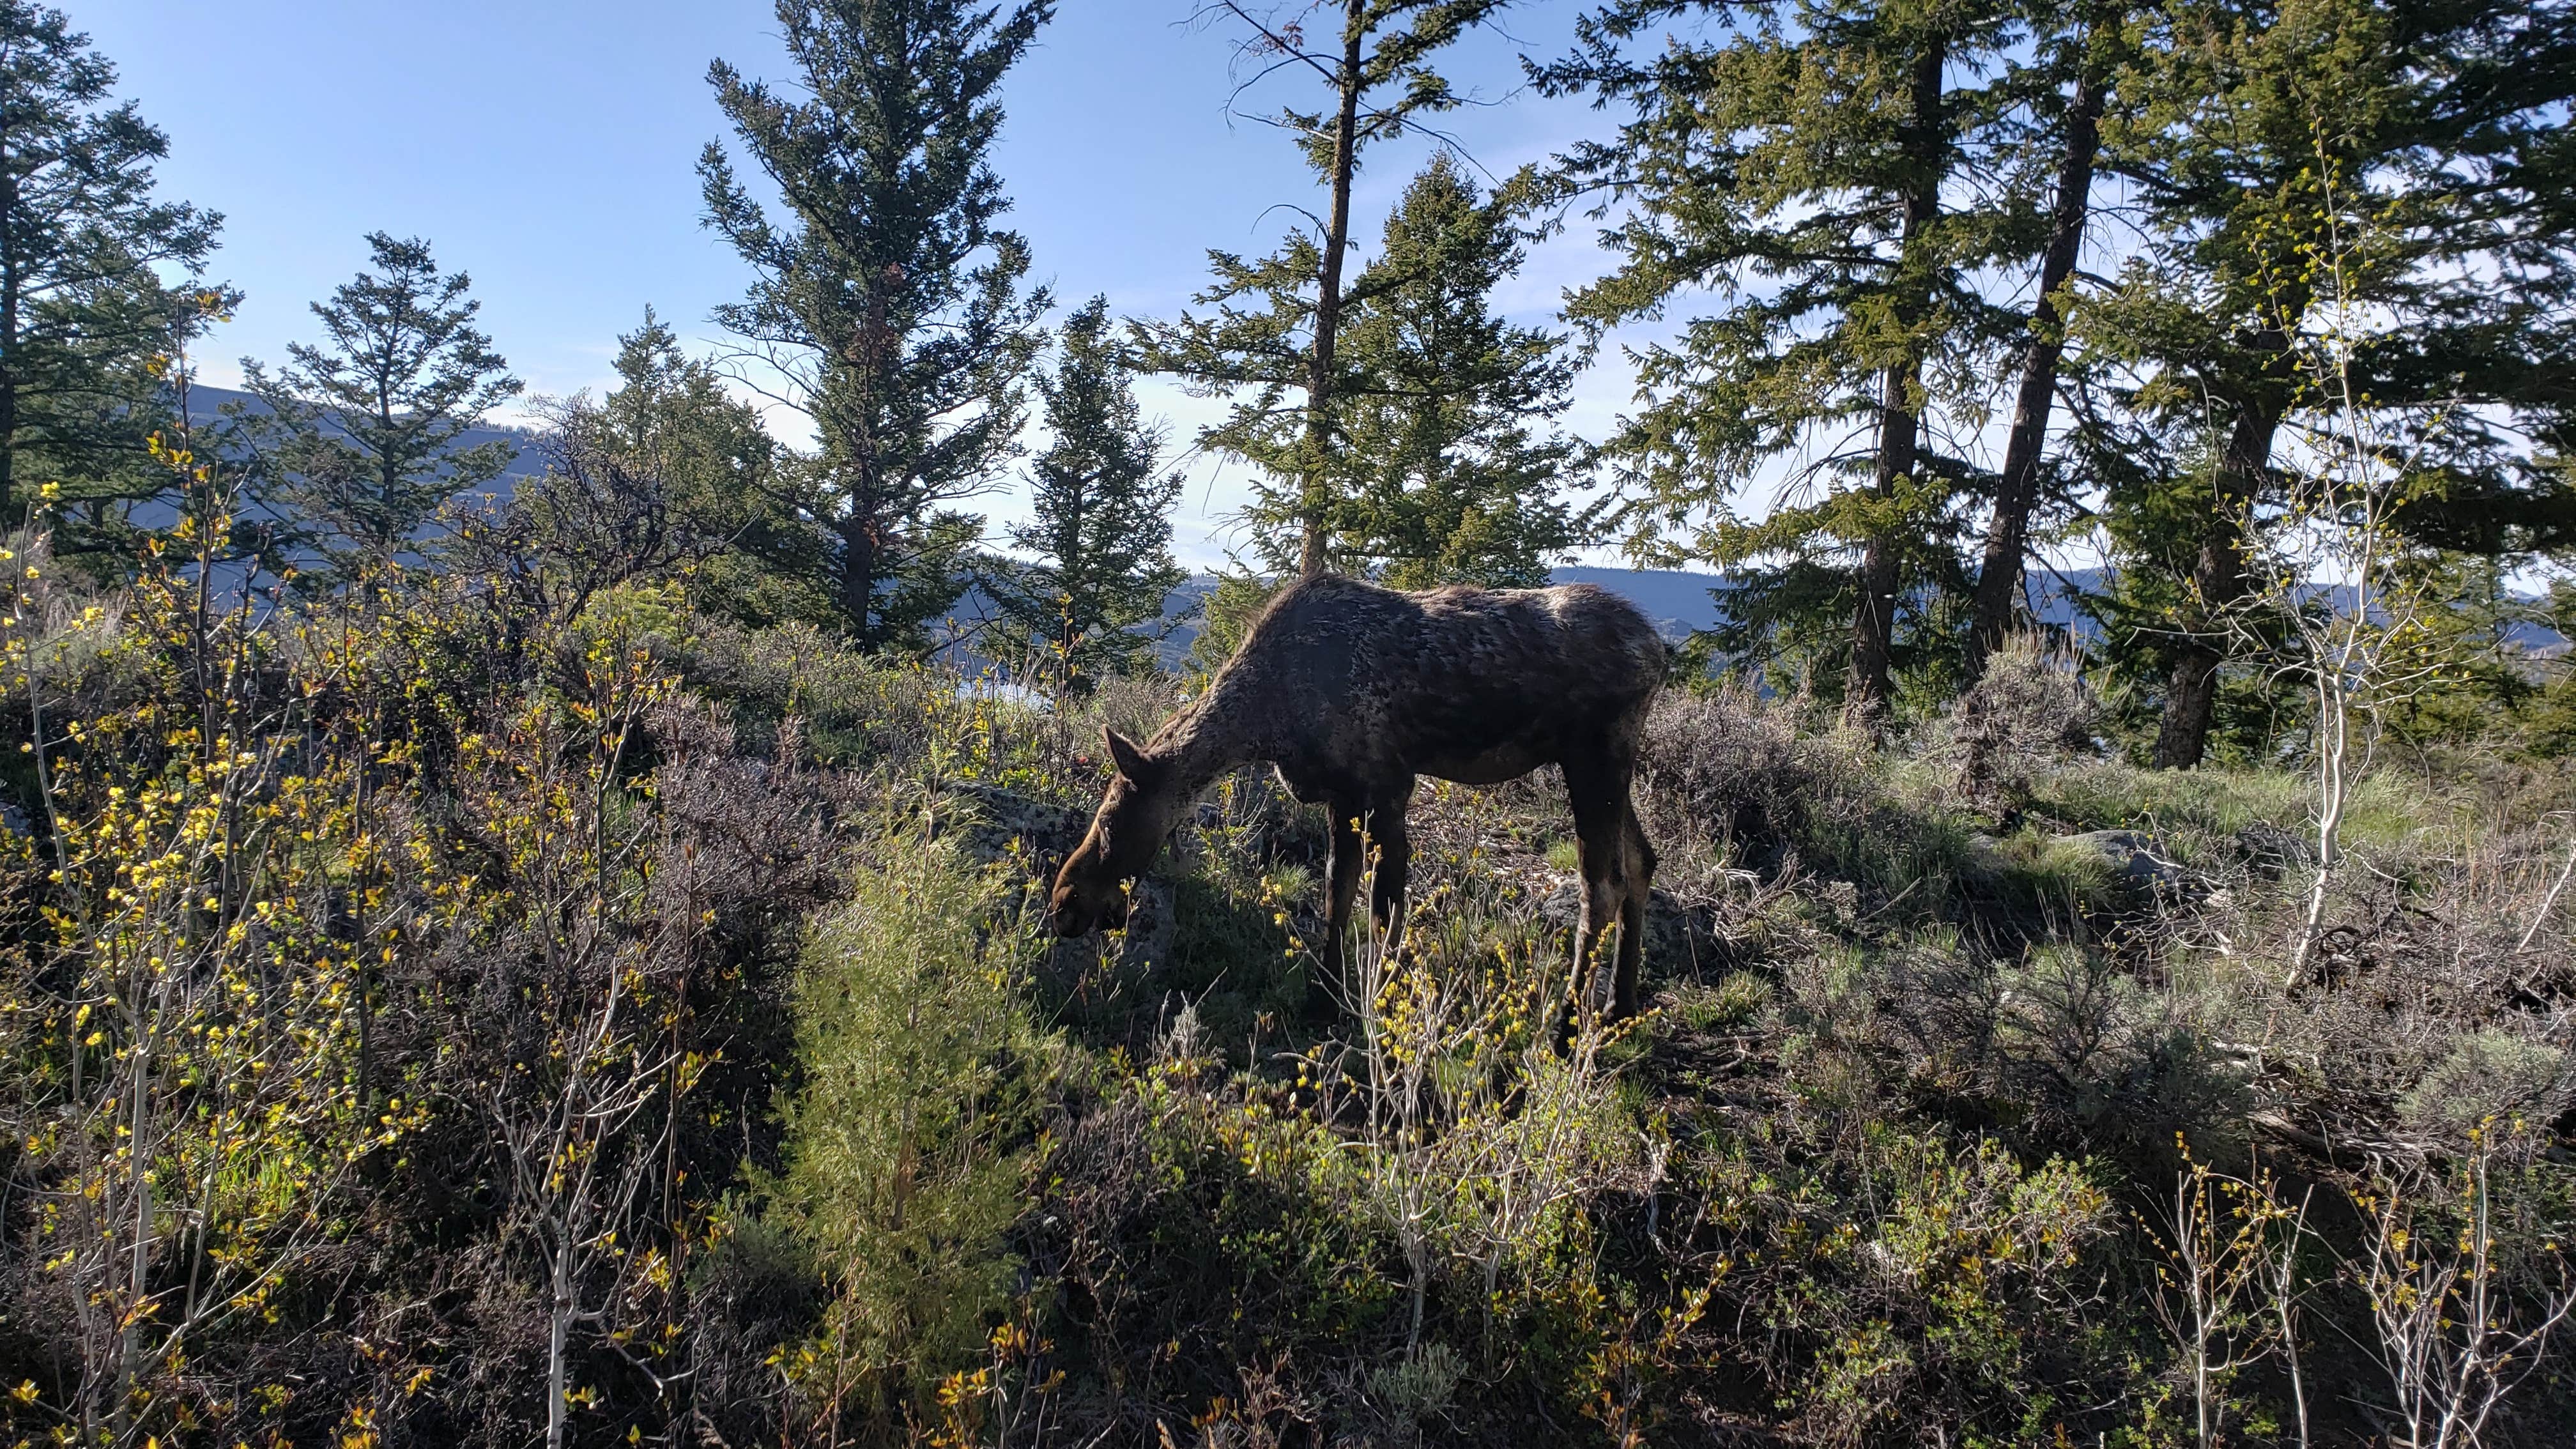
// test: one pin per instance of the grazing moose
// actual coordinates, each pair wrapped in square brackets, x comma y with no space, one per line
[1352,691]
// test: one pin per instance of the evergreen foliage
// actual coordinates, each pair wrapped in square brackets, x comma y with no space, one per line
[1225,616]
[1813,169]
[1274,327]
[693,473]
[2259,138]
[97,275]
[1446,481]
[2277,114]
[672,412]
[359,438]
[1252,350]
[1102,526]
[889,304]
[2075,55]
[915,1140]
[582,991]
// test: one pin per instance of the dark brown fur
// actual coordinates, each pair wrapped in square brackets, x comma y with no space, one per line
[1353,691]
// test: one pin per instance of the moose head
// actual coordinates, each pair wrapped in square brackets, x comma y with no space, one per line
[1135,814]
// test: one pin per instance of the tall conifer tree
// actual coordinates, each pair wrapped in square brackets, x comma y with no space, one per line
[889,303]
[1102,531]
[2257,135]
[2076,49]
[361,435]
[1450,478]
[691,467]
[1275,324]
[2228,133]
[1807,169]
[2424,145]
[84,305]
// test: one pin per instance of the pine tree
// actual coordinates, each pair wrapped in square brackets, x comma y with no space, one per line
[1102,530]
[1811,169]
[1447,482]
[673,407]
[2219,135]
[1275,327]
[2258,137]
[84,248]
[730,478]
[1254,348]
[359,440]
[888,303]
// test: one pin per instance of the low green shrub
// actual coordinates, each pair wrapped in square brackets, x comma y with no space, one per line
[918,1127]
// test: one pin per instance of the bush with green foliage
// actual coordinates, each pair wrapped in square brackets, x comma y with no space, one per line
[919,1128]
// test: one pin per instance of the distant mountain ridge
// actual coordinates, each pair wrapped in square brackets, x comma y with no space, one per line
[208,404]
[1680,602]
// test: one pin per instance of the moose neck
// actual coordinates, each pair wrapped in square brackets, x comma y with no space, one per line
[1204,741]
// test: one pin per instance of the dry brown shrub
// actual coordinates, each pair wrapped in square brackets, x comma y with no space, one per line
[2028,711]
[1721,777]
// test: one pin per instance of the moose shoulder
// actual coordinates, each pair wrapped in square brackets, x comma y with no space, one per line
[1353,691]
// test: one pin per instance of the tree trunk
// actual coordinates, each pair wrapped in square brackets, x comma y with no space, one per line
[10,284]
[2217,582]
[1075,584]
[872,515]
[1999,579]
[1328,297]
[392,529]
[859,575]
[1874,619]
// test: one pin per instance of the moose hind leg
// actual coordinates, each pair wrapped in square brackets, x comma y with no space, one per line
[1638,857]
[1601,848]
[1342,891]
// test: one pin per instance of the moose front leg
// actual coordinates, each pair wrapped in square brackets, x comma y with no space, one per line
[1639,860]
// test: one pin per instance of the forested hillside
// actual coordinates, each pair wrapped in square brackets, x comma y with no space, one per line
[515,929]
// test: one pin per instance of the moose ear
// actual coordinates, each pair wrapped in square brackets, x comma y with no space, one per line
[1130,760]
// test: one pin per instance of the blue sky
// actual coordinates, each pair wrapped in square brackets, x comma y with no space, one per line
[548,148]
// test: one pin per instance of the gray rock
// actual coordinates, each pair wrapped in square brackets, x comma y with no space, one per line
[2138,863]
[1676,938]
[2269,850]
[991,818]
[1146,940]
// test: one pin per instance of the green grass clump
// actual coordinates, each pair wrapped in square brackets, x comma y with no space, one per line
[2197,811]
[2053,871]
[1735,1002]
